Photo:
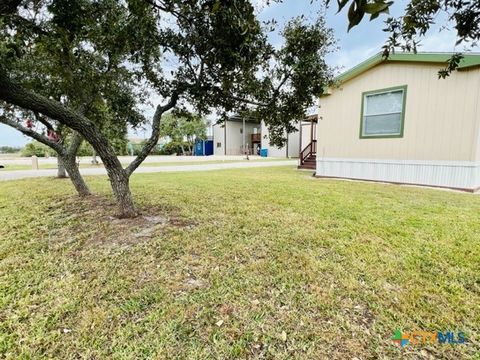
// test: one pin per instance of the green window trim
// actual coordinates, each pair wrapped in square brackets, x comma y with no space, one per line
[402,116]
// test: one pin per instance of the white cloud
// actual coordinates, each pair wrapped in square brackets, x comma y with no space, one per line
[444,41]
[438,42]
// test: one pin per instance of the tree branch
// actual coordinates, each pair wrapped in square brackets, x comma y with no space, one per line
[284,80]
[275,90]
[77,140]
[43,121]
[9,6]
[246,101]
[29,24]
[15,94]
[153,140]
[171,10]
[34,135]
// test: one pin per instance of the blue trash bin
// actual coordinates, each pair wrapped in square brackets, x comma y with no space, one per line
[263,152]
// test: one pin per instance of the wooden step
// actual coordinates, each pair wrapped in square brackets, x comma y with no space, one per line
[307,166]
[309,162]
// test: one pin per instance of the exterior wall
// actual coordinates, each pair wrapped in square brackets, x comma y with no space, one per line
[440,115]
[457,174]
[305,136]
[293,142]
[273,151]
[477,143]
[441,141]
[234,141]
[218,139]
[476,150]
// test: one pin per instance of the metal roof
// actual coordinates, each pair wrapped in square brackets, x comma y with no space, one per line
[469,60]
[248,119]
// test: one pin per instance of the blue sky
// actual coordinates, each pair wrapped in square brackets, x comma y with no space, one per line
[359,44]
[364,40]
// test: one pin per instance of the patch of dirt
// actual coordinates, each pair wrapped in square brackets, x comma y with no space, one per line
[182,222]
[191,283]
[94,216]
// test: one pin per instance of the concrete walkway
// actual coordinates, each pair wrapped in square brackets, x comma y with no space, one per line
[23,174]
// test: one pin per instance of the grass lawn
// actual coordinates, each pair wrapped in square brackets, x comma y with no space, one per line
[254,263]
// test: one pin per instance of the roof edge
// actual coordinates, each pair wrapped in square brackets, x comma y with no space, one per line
[469,60]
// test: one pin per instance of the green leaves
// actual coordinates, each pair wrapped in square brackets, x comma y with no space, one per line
[213,54]
[341,4]
[355,13]
[178,128]
[358,8]
[419,16]
[377,7]
[452,65]
[216,6]
[296,78]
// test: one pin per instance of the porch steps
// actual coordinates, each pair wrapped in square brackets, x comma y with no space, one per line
[309,163]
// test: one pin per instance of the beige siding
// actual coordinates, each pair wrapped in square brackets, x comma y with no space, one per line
[476,149]
[441,116]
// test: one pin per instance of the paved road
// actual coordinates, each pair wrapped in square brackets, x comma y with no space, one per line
[22,174]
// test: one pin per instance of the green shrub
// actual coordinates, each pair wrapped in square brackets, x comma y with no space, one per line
[85,149]
[157,150]
[119,145]
[135,149]
[175,147]
[9,150]
[37,149]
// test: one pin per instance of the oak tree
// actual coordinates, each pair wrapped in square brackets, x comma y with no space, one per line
[183,129]
[207,55]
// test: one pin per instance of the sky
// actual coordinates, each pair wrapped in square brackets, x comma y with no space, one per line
[362,42]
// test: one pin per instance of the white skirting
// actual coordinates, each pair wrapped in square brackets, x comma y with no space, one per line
[453,174]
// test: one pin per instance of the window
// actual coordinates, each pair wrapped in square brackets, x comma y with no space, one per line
[383,113]
[219,144]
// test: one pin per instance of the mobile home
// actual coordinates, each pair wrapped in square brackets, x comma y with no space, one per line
[395,121]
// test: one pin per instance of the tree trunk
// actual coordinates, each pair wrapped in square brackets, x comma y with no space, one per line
[74,174]
[61,172]
[119,181]
[94,158]
[15,94]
